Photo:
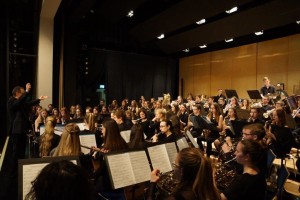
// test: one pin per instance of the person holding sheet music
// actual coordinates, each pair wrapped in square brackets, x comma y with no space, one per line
[216,117]
[251,184]
[194,174]
[48,140]
[166,135]
[112,142]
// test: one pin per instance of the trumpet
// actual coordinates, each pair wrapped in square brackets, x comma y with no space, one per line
[268,113]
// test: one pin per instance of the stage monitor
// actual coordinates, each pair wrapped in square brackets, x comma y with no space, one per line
[231,93]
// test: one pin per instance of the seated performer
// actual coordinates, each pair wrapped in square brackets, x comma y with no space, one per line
[267,89]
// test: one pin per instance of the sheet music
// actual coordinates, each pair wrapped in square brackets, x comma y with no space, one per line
[81,126]
[140,166]
[57,130]
[87,140]
[172,151]
[182,143]
[30,172]
[126,135]
[194,143]
[121,170]
[159,158]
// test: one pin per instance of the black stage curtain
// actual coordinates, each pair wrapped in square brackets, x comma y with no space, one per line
[132,75]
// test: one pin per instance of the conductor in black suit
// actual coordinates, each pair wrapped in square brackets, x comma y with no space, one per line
[19,105]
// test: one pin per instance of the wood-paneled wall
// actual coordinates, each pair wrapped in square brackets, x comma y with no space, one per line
[243,68]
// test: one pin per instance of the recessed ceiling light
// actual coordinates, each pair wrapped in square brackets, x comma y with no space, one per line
[259,32]
[202,21]
[130,13]
[203,46]
[229,40]
[161,36]
[298,22]
[232,10]
[92,11]
[186,50]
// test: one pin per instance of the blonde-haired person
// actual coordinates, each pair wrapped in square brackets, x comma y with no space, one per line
[69,144]
[160,115]
[48,140]
[194,173]
[41,119]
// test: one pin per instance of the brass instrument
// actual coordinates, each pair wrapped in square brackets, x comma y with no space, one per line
[268,113]
[296,112]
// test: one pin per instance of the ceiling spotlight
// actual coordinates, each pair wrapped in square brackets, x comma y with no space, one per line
[186,50]
[298,22]
[202,21]
[229,40]
[161,36]
[259,32]
[203,46]
[232,10]
[130,13]
[92,11]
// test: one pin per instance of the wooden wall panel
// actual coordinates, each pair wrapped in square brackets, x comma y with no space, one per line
[242,68]
[221,66]
[272,61]
[202,74]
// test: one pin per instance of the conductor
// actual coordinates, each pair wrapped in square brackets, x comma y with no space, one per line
[18,109]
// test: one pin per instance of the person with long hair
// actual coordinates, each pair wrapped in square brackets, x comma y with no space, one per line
[194,173]
[137,139]
[61,180]
[69,144]
[48,140]
[112,142]
[251,184]
[40,120]
[144,122]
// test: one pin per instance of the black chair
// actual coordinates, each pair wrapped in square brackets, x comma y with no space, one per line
[283,175]
[270,159]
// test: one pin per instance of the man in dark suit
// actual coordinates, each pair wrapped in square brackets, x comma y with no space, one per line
[18,109]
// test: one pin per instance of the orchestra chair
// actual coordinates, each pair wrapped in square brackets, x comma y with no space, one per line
[270,159]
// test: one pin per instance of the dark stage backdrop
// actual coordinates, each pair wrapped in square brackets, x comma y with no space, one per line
[125,75]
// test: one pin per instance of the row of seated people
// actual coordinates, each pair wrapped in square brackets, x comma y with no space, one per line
[190,161]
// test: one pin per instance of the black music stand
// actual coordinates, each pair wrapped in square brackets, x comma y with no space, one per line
[231,93]
[209,125]
[254,94]
[242,114]
[237,128]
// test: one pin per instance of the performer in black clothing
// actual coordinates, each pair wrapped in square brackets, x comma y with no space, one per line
[18,108]
[267,89]
[195,124]
[166,135]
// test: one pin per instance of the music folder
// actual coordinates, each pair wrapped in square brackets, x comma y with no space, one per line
[242,114]
[209,125]
[237,127]
[254,94]
[29,169]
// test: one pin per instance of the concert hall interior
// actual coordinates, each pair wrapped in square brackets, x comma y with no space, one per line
[143,83]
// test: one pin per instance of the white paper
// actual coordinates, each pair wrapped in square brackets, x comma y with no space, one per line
[193,141]
[159,158]
[87,140]
[126,135]
[81,126]
[172,151]
[182,143]
[140,166]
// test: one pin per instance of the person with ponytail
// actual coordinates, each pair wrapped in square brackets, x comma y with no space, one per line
[48,140]
[194,174]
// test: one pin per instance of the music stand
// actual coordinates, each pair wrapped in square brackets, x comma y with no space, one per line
[237,128]
[243,114]
[231,93]
[254,94]
[209,125]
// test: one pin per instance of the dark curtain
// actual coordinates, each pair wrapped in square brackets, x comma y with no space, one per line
[132,75]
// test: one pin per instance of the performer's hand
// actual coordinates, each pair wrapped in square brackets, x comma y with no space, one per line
[155,175]
[28,87]
[43,97]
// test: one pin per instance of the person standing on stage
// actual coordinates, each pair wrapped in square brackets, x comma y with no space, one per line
[267,89]
[18,108]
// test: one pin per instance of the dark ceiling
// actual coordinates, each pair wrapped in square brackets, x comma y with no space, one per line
[103,23]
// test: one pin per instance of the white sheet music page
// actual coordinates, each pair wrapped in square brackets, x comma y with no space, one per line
[159,158]
[172,151]
[140,166]
[121,170]
[87,140]
[30,172]
[193,141]
[126,135]
[182,143]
